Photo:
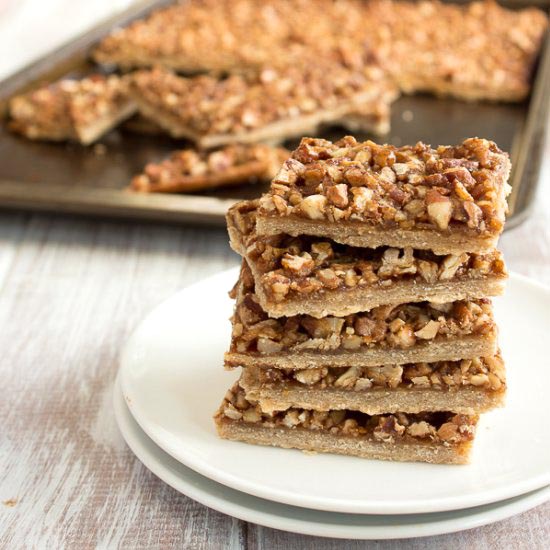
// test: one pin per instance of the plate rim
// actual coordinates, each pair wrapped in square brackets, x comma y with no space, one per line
[441,504]
[221,500]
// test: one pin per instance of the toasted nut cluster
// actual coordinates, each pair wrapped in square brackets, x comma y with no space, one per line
[483,372]
[442,427]
[411,187]
[192,170]
[59,110]
[400,326]
[206,105]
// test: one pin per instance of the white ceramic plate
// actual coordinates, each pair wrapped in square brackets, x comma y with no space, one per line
[173,380]
[303,520]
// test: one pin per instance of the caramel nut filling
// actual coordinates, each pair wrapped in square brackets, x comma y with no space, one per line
[486,373]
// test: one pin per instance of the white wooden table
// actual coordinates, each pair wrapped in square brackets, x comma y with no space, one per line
[71,291]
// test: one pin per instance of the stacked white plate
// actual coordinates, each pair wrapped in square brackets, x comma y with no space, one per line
[172,380]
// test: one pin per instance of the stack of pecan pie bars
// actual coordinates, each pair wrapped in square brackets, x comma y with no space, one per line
[363,319]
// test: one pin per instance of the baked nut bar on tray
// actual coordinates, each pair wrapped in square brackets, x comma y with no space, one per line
[472,50]
[78,110]
[309,275]
[438,437]
[222,36]
[449,199]
[201,36]
[396,334]
[468,386]
[191,170]
[475,51]
[272,106]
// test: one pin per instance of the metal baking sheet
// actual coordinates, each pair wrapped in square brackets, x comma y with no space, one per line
[92,180]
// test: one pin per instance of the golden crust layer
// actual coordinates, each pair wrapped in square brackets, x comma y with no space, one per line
[448,199]
[323,442]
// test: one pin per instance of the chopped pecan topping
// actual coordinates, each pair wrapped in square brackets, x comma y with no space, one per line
[441,427]
[475,50]
[407,187]
[482,372]
[399,326]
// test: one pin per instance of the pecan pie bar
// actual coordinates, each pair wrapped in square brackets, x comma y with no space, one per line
[472,50]
[437,437]
[204,35]
[223,36]
[308,275]
[469,386]
[271,107]
[191,170]
[451,199]
[475,51]
[79,110]
[405,333]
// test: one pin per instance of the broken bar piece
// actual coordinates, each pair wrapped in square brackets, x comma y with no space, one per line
[77,110]
[270,107]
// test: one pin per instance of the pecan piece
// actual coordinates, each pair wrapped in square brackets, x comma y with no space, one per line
[314,206]
[439,207]
[299,265]
[338,195]
[329,278]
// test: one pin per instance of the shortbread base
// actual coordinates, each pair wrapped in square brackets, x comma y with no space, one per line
[325,442]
